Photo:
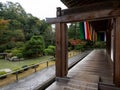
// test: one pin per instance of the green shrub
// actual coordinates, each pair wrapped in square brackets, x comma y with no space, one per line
[25,67]
[11,45]
[51,47]
[20,44]
[17,52]
[3,73]
[79,47]
[1,57]
[19,55]
[88,44]
[8,51]
[69,48]
[48,51]
[3,48]
[17,70]
[14,52]
[34,47]
[100,44]
[103,45]
[7,46]
[52,58]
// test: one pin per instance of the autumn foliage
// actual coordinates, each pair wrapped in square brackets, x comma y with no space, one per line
[2,21]
[76,42]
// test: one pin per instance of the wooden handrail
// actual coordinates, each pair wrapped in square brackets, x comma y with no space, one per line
[16,72]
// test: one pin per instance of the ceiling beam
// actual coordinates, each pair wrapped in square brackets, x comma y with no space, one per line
[90,16]
[91,7]
[77,3]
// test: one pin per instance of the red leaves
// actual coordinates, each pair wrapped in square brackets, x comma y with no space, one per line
[75,42]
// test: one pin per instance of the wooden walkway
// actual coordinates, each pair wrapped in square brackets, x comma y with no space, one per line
[87,73]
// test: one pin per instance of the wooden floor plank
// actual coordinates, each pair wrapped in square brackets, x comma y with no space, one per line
[95,64]
[93,67]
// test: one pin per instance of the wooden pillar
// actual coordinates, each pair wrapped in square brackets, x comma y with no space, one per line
[61,50]
[108,41]
[61,47]
[117,52]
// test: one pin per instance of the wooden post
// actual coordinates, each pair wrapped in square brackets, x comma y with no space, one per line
[47,64]
[108,42]
[64,49]
[117,52]
[16,76]
[61,50]
[58,13]
[61,47]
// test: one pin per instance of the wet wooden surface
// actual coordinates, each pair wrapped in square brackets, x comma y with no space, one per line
[87,73]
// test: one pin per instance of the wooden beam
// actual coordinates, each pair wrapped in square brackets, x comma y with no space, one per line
[79,3]
[91,7]
[61,50]
[117,53]
[89,16]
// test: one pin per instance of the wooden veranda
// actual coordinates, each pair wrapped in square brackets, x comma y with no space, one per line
[103,15]
[90,73]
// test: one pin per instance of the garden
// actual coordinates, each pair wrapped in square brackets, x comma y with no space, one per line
[12,71]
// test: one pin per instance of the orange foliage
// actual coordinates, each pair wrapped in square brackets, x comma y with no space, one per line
[76,42]
[2,21]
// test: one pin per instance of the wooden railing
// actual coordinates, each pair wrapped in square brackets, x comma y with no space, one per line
[35,66]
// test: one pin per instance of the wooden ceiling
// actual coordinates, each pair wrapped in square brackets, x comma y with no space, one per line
[92,5]
[78,3]
[98,12]
[101,25]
